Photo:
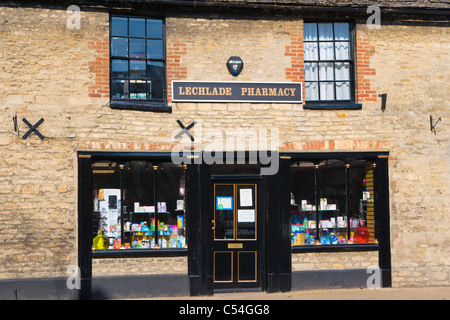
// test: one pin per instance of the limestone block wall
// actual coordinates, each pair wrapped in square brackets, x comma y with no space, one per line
[334,260]
[62,75]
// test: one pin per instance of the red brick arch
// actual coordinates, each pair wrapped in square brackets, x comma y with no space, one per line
[335,145]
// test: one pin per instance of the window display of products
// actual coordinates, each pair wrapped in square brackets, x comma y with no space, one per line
[325,191]
[153,192]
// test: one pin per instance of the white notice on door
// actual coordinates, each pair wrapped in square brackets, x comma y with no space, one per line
[246,215]
[246,197]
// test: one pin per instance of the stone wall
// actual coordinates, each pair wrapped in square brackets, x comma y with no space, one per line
[334,260]
[61,75]
[140,266]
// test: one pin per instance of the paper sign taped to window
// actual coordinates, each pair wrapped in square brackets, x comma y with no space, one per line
[246,197]
[246,215]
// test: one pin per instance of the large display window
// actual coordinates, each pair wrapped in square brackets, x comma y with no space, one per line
[332,202]
[138,205]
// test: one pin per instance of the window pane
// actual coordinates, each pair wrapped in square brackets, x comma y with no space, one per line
[311,51]
[119,68]
[332,206]
[119,27]
[325,31]
[119,47]
[362,194]
[311,72]
[326,51]
[326,91]
[155,29]
[342,70]
[170,187]
[341,31]
[106,204]
[138,89]
[137,69]
[311,91]
[137,48]
[342,50]
[303,207]
[310,31]
[326,71]
[119,89]
[224,212]
[155,49]
[246,220]
[342,90]
[156,89]
[137,28]
[155,69]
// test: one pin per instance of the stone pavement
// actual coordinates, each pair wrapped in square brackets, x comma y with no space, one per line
[429,293]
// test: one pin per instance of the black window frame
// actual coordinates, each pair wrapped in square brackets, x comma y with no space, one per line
[335,104]
[157,105]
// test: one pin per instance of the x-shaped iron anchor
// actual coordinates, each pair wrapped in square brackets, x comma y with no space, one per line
[185,130]
[33,129]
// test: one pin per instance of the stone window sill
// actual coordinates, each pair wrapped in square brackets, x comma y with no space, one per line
[333,106]
[140,106]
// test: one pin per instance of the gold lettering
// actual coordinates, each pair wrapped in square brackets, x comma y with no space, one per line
[222,91]
[188,91]
[180,91]
[264,91]
[201,91]
[280,92]
[251,91]
[293,91]
[272,91]
[286,92]
[228,91]
[195,91]
[244,91]
[215,93]
[258,92]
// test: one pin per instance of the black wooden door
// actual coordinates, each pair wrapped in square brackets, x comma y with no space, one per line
[236,224]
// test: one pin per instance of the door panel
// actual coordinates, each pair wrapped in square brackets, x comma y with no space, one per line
[223,266]
[247,266]
[236,245]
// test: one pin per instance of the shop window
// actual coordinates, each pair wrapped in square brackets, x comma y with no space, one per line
[139,205]
[138,63]
[329,64]
[332,203]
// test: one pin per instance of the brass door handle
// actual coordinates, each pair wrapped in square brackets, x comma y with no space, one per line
[214,224]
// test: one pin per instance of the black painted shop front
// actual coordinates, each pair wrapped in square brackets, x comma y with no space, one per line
[238,225]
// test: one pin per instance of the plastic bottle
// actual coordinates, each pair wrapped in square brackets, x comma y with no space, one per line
[334,239]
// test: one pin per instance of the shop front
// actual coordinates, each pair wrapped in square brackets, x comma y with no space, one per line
[227,226]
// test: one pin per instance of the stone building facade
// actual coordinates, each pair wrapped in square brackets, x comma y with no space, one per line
[59,73]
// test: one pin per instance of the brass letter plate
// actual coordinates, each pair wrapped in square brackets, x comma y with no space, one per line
[235,245]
